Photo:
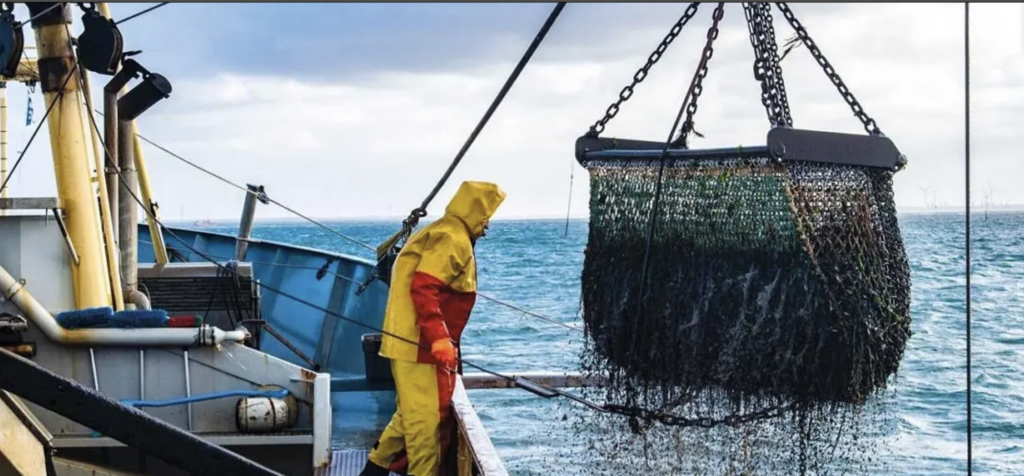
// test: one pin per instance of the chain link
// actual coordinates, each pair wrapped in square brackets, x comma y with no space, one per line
[773,411]
[869,124]
[767,69]
[697,85]
[773,49]
[641,74]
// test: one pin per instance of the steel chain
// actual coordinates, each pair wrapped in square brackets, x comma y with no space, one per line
[641,74]
[773,411]
[767,69]
[782,101]
[869,124]
[759,72]
[697,86]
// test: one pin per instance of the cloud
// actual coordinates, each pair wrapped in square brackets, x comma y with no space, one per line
[364,146]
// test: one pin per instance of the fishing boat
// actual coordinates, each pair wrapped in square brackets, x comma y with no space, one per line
[130,347]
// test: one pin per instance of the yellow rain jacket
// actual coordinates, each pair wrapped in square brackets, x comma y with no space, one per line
[433,289]
[433,281]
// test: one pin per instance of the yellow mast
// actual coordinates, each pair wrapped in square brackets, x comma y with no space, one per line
[155,233]
[58,69]
[109,237]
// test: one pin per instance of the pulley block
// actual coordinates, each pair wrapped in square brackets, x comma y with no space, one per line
[12,41]
[100,46]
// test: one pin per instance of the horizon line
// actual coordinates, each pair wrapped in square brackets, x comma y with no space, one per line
[915,210]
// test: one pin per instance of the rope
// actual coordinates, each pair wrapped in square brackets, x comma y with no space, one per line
[421,211]
[139,14]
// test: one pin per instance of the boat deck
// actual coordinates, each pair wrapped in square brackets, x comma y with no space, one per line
[346,463]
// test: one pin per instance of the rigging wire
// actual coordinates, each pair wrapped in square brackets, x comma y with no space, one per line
[525,384]
[246,190]
[357,282]
[139,14]
[37,15]
[329,229]
[421,211]
[967,220]
[24,150]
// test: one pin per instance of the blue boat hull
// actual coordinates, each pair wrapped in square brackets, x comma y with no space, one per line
[333,344]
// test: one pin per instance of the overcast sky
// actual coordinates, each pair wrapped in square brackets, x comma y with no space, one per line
[349,110]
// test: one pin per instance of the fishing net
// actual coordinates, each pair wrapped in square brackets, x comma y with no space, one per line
[776,302]
[769,297]
[765,279]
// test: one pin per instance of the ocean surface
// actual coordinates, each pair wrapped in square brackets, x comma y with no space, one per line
[536,265]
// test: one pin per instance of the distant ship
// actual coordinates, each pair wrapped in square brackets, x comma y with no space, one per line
[203,223]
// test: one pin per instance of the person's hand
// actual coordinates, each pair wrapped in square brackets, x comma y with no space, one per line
[444,352]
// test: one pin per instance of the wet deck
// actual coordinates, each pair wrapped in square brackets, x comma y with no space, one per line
[345,463]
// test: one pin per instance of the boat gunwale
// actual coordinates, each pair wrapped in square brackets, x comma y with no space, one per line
[316,251]
[471,430]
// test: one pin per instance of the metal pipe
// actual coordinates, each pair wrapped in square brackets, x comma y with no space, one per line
[139,299]
[14,291]
[110,138]
[156,234]
[188,390]
[111,164]
[128,212]
[142,374]
[95,375]
[141,182]
[109,237]
[248,216]
[60,85]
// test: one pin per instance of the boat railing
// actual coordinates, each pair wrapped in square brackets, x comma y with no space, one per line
[476,453]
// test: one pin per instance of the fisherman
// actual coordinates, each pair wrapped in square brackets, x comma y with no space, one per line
[433,290]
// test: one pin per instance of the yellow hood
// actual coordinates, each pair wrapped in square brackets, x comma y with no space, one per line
[474,204]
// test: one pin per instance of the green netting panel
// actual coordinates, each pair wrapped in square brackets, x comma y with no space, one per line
[787,280]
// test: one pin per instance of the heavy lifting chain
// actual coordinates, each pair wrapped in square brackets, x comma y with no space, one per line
[697,85]
[666,419]
[641,74]
[869,124]
[767,69]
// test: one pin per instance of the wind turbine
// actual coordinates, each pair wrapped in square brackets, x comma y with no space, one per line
[926,190]
[988,197]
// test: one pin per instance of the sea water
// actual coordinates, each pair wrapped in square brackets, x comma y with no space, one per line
[536,265]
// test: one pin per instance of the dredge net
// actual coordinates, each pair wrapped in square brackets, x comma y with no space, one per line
[773,289]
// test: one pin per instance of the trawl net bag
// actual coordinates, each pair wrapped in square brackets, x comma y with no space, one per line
[765,277]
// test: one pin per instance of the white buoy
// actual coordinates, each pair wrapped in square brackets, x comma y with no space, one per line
[262,415]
